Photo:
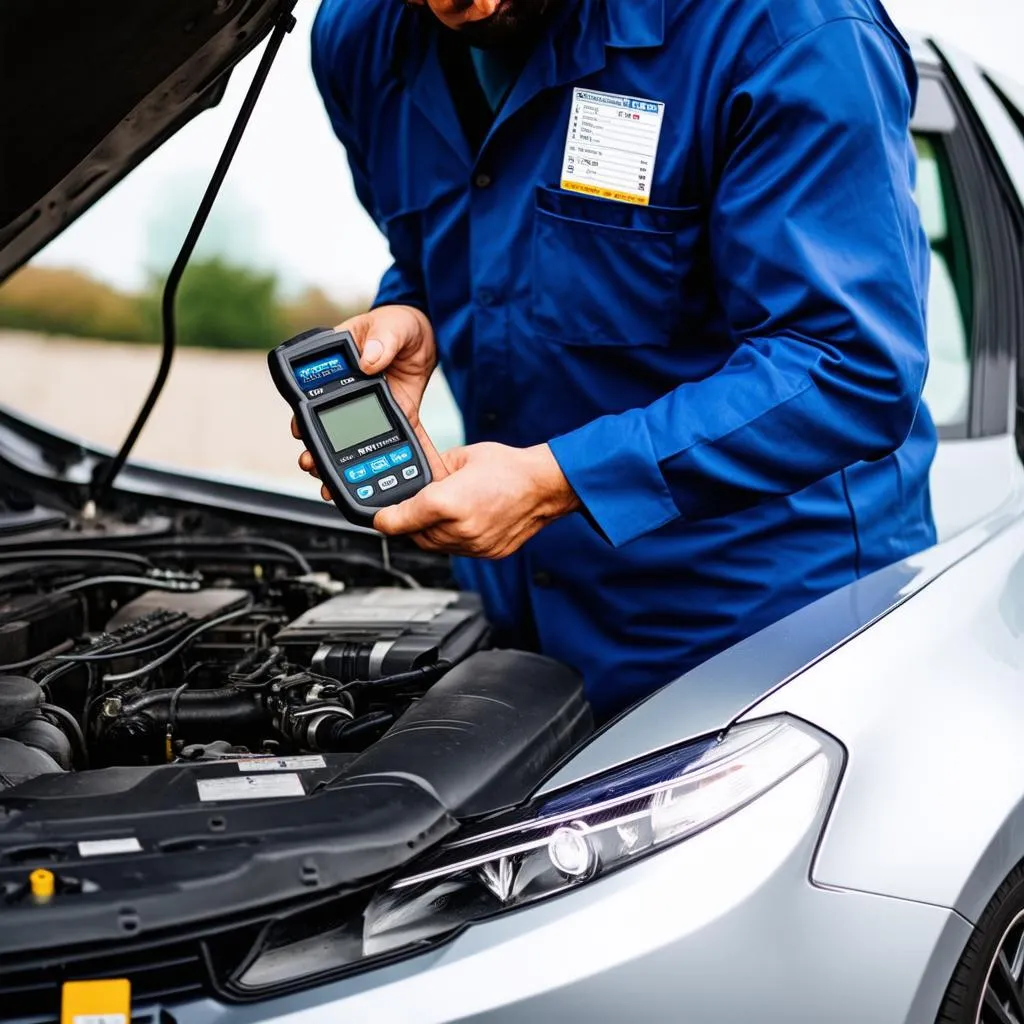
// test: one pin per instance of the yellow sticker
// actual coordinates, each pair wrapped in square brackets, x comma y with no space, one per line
[604,193]
[96,1002]
[611,146]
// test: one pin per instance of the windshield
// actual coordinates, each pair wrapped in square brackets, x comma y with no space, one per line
[287,248]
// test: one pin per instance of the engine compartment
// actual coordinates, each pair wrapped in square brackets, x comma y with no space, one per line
[190,649]
[227,719]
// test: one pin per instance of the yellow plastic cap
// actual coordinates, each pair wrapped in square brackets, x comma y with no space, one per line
[42,883]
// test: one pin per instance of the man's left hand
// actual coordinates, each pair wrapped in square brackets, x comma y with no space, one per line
[494,500]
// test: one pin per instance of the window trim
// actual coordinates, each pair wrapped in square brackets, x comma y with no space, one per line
[995,266]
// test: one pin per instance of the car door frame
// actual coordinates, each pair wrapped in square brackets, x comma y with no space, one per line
[989,154]
[945,110]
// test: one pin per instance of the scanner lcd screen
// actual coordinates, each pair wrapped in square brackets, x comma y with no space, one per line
[351,423]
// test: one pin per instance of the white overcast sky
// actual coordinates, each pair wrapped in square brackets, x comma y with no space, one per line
[288,203]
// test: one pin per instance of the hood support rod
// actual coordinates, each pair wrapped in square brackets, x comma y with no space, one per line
[106,473]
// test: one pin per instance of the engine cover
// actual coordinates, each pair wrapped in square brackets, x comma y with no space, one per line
[195,605]
[376,632]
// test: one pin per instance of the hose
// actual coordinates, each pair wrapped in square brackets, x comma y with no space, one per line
[75,555]
[173,707]
[206,698]
[370,563]
[227,713]
[339,734]
[180,645]
[76,734]
[52,675]
[127,650]
[421,677]
[215,542]
[64,645]
[143,581]
[274,656]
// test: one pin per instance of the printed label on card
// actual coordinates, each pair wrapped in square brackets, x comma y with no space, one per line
[611,146]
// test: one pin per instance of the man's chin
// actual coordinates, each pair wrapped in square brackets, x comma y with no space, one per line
[514,23]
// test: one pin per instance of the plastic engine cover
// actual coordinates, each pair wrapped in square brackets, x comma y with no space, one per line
[488,733]
[371,633]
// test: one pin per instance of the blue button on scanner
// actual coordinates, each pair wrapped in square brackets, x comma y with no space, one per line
[380,465]
[365,492]
[356,473]
[400,455]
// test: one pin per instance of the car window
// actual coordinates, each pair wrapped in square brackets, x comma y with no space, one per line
[948,387]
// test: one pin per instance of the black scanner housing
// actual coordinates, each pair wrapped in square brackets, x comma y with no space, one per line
[309,403]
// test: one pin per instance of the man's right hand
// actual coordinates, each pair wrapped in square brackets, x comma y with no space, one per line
[400,340]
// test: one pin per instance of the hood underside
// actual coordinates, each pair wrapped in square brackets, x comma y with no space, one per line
[103,83]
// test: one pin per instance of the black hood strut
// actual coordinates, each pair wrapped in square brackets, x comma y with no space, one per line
[106,472]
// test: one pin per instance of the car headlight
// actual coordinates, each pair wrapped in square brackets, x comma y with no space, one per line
[552,846]
[585,832]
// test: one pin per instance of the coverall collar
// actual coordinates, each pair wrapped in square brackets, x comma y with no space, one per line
[561,57]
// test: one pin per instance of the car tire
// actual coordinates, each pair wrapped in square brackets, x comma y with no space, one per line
[991,970]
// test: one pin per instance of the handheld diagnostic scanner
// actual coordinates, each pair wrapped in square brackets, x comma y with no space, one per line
[363,447]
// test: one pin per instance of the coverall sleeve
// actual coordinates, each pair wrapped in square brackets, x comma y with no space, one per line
[821,268]
[401,284]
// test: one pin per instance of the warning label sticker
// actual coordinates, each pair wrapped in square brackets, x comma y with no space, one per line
[250,787]
[103,847]
[281,764]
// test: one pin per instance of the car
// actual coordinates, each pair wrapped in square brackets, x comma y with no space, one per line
[260,765]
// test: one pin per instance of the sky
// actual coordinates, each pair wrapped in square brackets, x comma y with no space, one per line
[288,203]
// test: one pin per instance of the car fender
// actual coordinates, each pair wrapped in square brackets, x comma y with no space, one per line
[929,704]
[709,698]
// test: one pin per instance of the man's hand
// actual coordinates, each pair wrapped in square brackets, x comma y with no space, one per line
[493,501]
[400,340]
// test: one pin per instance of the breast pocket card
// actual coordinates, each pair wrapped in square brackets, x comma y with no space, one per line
[611,146]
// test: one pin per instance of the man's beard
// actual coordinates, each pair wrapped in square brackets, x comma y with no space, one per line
[513,23]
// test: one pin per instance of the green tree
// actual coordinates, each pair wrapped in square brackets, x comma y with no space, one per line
[221,305]
[64,301]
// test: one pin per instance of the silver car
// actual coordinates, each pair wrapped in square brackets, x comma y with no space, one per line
[255,766]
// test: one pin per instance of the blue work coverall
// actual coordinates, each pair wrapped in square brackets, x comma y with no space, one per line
[731,376]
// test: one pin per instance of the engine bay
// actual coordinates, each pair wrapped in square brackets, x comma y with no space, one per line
[154,647]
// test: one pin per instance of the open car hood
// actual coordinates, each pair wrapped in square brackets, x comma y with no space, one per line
[102,84]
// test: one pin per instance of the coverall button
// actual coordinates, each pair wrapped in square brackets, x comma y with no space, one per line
[490,418]
[482,180]
[485,296]
[542,578]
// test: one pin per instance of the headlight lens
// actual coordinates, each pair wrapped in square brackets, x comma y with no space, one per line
[585,832]
[552,846]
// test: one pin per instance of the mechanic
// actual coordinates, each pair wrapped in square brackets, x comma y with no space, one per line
[668,256]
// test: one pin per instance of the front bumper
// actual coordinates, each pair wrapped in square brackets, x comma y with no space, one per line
[724,927]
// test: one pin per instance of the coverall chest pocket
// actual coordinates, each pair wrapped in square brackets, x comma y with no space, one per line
[609,273]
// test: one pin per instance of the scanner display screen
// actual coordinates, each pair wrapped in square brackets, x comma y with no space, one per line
[351,423]
[321,371]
